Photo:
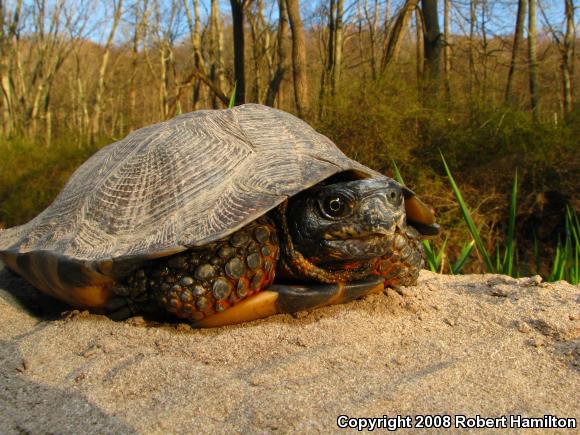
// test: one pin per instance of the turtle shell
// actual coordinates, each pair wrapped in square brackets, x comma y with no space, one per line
[168,187]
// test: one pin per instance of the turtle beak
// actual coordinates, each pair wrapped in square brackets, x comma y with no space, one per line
[419,215]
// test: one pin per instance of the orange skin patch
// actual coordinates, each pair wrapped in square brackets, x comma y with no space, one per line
[93,296]
[351,266]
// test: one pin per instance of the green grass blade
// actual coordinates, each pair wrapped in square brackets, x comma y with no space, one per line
[569,254]
[441,252]
[508,262]
[429,253]
[557,265]
[574,225]
[576,271]
[468,220]
[398,176]
[232,102]
[463,256]
[575,228]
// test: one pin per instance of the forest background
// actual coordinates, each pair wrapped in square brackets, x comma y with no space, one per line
[490,84]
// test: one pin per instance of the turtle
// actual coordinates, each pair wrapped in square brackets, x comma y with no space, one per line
[221,217]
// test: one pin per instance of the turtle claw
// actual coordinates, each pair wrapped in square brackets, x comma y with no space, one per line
[118,308]
[294,298]
[122,314]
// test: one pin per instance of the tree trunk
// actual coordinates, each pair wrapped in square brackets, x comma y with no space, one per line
[216,49]
[533,58]
[338,37]
[386,30]
[257,51]
[298,59]
[194,24]
[132,84]
[397,32]
[8,45]
[518,37]
[199,61]
[568,58]
[239,47]
[163,82]
[83,124]
[274,90]
[446,51]
[472,23]
[97,107]
[484,52]
[373,32]
[420,52]
[432,40]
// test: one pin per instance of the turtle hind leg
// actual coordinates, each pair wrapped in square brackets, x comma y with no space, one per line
[118,308]
[131,300]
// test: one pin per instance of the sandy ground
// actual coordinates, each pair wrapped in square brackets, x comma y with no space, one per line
[485,344]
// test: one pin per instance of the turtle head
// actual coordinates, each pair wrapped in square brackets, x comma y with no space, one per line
[347,221]
[340,229]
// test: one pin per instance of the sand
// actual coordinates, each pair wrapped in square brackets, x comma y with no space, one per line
[472,345]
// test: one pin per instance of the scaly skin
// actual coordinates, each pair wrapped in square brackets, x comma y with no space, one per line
[203,281]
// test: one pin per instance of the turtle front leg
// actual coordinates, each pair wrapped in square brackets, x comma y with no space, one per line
[401,266]
[289,299]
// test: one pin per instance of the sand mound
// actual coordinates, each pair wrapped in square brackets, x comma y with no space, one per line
[480,344]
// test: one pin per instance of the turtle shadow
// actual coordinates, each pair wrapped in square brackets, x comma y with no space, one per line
[31,407]
[18,293]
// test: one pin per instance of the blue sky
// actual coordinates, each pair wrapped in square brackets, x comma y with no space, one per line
[501,14]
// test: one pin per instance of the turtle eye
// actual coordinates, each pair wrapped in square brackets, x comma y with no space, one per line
[335,206]
[394,196]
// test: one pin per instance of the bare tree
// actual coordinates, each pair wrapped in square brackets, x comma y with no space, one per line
[262,51]
[432,37]
[30,67]
[298,58]
[432,46]
[396,33]
[238,7]
[216,50]
[98,101]
[331,71]
[518,37]
[194,23]
[472,37]
[567,51]
[337,46]
[533,58]
[140,22]
[9,35]
[446,51]
[372,27]
[282,64]
[420,52]
[566,45]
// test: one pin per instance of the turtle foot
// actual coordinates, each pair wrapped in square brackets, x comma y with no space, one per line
[282,298]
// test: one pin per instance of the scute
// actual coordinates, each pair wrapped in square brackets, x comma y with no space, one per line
[181,183]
